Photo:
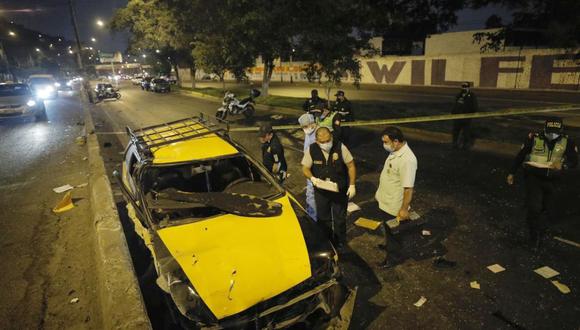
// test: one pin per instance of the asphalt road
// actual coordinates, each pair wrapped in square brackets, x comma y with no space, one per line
[47,259]
[475,219]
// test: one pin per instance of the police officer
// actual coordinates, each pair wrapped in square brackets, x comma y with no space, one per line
[313,102]
[272,152]
[544,156]
[465,102]
[331,120]
[343,107]
[326,162]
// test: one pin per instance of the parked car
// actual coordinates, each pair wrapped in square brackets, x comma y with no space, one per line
[43,86]
[18,100]
[146,83]
[160,85]
[136,80]
[231,247]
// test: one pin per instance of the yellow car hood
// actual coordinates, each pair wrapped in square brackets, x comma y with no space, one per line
[236,262]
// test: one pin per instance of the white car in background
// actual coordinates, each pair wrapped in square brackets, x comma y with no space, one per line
[136,80]
[18,101]
[43,86]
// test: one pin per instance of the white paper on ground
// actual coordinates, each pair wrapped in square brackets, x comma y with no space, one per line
[425,233]
[562,287]
[62,189]
[82,185]
[496,268]
[327,185]
[352,207]
[546,272]
[414,215]
[475,285]
[420,302]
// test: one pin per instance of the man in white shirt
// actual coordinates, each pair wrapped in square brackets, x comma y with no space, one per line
[396,184]
[329,163]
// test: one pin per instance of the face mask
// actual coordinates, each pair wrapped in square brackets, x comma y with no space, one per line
[388,147]
[308,130]
[326,146]
[552,136]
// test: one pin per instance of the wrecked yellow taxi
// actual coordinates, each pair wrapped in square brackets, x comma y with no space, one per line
[231,247]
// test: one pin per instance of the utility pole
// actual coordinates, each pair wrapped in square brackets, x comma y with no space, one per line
[4,55]
[85,84]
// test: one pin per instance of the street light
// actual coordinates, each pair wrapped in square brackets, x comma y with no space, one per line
[37,49]
[93,39]
[144,56]
[100,23]
[157,51]
[11,33]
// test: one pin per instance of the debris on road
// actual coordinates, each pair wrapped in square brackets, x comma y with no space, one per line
[546,272]
[367,223]
[352,207]
[562,287]
[425,232]
[74,300]
[85,158]
[81,140]
[475,285]
[65,204]
[62,189]
[420,302]
[496,268]
[567,241]
[82,185]
[441,262]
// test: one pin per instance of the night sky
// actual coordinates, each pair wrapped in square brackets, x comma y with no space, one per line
[52,17]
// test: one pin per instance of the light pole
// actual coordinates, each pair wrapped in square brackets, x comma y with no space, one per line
[86,84]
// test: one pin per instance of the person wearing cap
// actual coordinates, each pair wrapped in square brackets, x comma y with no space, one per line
[396,185]
[272,151]
[329,165]
[343,107]
[465,102]
[309,127]
[313,102]
[545,156]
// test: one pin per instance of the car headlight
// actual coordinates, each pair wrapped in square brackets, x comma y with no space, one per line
[69,83]
[31,103]
[49,89]
[56,84]
[187,300]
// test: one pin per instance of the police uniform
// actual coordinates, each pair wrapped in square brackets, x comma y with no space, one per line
[344,109]
[330,206]
[330,122]
[465,102]
[537,154]
[273,157]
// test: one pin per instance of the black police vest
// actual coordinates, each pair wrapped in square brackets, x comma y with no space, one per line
[333,169]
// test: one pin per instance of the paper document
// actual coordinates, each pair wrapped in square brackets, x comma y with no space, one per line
[62,189]
[539,165]
[546,272]
[496,268]
[352,207]
[327,185]
[420,302]
[367,223]
[562,287]
[393,223]
[475,285]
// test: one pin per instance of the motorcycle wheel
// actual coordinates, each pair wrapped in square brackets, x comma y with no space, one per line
[118,96]
[221,115]
[249,113]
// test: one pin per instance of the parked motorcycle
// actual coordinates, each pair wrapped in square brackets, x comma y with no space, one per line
[231,105]
[106,91]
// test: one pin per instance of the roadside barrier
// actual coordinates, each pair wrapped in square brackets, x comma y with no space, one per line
[423,119]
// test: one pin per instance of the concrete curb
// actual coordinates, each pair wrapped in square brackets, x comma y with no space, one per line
[122,304]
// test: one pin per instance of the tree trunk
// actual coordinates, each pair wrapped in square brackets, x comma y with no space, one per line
[192,74]
[223,80]
[268,70]
[174,65]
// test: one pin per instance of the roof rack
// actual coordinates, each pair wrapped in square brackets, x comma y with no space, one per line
[148,139]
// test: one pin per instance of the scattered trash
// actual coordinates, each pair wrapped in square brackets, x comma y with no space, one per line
[496,268]
[562,287]
[474,285]
[393,223]
[367,223]
[65,203]
[420,302]
[546,272]
[107,144]
[441,262]
[352,207]
[62,189]
[74,300]
[85,158]
[82,185]
[81,140]
[425,233]
[567,241]
[276,117]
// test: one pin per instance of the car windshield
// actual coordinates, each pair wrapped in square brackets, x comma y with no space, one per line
[193,192]
[157,81]
[41,80]
[14,90]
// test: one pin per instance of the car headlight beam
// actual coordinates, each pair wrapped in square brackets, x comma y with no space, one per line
[31,103]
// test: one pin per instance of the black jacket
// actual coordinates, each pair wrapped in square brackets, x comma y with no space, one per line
[344,108]
[272,153]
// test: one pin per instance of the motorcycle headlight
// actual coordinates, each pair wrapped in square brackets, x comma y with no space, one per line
[31,103]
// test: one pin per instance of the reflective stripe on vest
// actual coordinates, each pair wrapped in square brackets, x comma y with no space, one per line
[327,121]
[542,154]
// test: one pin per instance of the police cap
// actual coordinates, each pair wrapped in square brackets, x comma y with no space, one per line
[553,125]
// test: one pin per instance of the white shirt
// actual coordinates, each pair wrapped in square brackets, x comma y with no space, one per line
[346,156]
[398,173]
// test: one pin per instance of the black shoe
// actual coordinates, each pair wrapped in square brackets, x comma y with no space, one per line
[444,263]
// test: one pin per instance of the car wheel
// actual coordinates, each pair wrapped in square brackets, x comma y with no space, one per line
[41,115]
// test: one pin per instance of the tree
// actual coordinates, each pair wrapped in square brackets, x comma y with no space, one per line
[494,21]
[556,21]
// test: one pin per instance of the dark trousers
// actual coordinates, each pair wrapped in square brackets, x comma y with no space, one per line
[331,214]
[540,192]
[345,135]
[394,247]
[461,133]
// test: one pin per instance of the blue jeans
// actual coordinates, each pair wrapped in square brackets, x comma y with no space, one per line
[310,202]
